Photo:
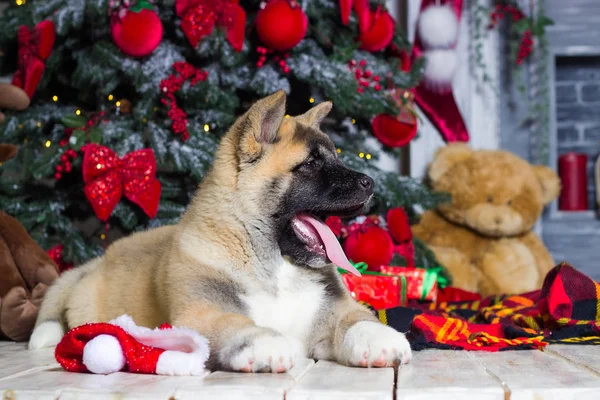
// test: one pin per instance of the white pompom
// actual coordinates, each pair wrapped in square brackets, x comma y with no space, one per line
[440,67]
[438,27]
[103,355]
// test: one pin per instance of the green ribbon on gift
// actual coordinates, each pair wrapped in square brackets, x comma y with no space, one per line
[432,275]
[361,267]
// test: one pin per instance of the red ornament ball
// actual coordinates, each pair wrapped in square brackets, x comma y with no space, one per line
[391,132]
[373,246]
[137,34]
[380,33]
[281,26]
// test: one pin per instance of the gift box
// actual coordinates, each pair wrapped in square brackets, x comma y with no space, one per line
[393,286]
[379,291]
[421,283]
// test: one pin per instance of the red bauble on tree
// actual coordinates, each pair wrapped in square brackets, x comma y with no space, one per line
[380,32]
[392,132]
[399,130]
[281,24]
[370,244]
[136,30]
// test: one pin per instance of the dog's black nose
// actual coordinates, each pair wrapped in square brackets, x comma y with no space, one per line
[366,183]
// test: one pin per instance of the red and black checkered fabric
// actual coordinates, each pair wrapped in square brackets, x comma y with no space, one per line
[566,310]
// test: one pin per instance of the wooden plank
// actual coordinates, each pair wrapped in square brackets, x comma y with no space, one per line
[230,385]
[11,347]
[15,362]
[446,375]
[55,383]
[532,374]
[328,380]
[584,356]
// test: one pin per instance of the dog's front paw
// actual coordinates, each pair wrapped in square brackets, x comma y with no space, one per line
[260,350]
[372,344]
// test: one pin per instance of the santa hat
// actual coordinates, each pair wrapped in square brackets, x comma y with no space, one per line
[121,345]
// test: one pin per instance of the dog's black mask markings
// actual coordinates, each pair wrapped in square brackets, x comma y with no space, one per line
[323,186]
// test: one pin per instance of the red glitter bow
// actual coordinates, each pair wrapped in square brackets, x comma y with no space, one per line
[198,19]
[362,10]
[35,46]
[107,176]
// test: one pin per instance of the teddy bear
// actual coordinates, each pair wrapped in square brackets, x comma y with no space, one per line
[484,236]
[26,270]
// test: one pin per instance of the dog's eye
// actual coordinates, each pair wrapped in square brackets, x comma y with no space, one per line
[309,162]
[489,199]
[508,203]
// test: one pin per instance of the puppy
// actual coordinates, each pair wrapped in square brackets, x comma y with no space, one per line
[250,264]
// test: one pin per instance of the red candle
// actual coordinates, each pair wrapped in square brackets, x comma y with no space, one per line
[573,176]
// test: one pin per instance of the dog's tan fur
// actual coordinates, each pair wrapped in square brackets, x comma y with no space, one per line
[188,274]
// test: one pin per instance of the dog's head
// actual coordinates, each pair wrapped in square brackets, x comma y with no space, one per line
[290,179]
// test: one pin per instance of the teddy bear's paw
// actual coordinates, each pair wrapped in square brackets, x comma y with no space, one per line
[266,351]
[372,344]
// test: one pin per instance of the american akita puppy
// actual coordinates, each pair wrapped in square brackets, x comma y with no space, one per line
[249,265]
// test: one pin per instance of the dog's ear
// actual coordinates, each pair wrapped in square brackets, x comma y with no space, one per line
[315,115]
[265,117]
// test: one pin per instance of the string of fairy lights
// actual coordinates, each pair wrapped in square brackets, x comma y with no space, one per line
[205,127]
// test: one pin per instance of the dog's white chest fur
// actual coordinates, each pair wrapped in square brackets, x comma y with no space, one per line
[292,309]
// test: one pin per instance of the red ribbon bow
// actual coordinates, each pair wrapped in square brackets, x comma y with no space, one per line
[35,46]
[107,176]
[198,19]
[362,10]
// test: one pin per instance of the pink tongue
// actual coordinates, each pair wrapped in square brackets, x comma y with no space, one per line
[332,246]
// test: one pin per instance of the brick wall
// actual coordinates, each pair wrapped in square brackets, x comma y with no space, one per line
[578,111]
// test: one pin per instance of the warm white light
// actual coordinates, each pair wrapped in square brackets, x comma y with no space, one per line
[206,128]
[48,143]
[78,112]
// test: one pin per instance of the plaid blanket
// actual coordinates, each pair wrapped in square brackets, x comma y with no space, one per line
[565,310]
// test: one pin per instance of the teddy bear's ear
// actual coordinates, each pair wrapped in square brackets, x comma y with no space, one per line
[446,158]
[549,181]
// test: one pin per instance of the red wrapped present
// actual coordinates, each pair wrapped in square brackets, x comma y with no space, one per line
[421,283]
[379,291]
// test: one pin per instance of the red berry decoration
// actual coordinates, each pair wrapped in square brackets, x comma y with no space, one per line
[281,24]
[372,245]
[392,132]
[171,85]
[380,33]
[136,30]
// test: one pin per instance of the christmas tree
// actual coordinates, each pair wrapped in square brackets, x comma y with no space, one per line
[171,76]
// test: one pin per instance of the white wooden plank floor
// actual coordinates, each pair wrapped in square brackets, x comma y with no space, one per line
[560,372]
